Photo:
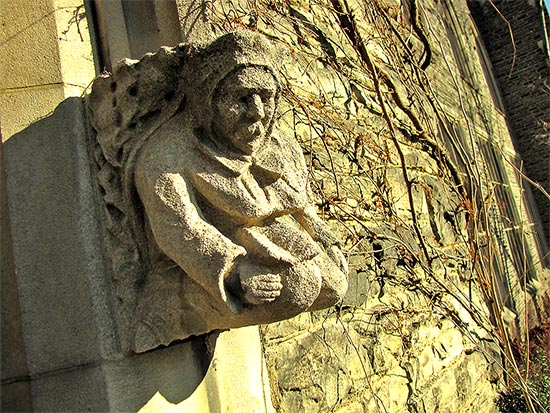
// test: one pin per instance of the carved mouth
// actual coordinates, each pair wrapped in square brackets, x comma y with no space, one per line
[249,136]
[250,133]
[255,130]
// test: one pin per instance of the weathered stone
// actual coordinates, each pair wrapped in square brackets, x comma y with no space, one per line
[352,407]
[212,194]
[412,313]
[46,56]
[78,390]
[52,199]
[74,358]
[410,334]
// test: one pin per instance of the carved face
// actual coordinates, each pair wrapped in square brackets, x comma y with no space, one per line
[244,105]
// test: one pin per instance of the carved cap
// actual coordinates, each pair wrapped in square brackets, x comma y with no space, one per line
[220,58]
[127,105]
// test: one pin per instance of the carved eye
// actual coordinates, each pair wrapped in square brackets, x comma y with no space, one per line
[267,96]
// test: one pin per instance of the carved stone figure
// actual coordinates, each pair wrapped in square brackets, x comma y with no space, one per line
[221,198]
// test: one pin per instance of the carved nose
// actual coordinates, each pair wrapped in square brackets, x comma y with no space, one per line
[256,108]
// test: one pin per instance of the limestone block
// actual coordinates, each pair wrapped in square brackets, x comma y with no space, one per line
[390,392]
[22,24]
[194,22]
[23,106]
[223,373]
[46,55]
[353,407]
[171,375]
[16,391]
[79,390]
[359,282]
[74,45]
[238,358]
[129,29]
[16,396]
[57,250]
[14,363]
[115,40]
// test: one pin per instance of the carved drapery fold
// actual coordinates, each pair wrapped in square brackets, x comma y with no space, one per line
[206,199]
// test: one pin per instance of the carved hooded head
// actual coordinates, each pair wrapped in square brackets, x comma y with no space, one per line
[234,89]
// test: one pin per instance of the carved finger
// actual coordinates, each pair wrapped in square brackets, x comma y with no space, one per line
[269,286]
[267,278]
[254,299]
[260,296]
[268,294]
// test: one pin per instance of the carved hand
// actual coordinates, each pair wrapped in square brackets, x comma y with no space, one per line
[258,285]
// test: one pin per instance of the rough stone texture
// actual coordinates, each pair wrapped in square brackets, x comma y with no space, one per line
[223,225]
[129,29]
[391,154]
[74,390]
[16,392]
[58,209]
[63,352]
[58,262]
[228,375]
[522,70]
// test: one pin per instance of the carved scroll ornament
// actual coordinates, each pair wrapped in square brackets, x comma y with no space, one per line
[206,199]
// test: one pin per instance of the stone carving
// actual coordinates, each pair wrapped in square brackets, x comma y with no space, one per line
[207,200]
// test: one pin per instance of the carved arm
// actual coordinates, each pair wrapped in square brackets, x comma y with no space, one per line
[203,252]
[321,233]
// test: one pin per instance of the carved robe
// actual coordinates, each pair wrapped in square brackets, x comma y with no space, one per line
[208,210]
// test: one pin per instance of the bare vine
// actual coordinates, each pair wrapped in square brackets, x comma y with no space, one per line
[363,103]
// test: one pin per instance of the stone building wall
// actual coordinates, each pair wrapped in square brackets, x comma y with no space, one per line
[517,43]
[389,105]
[407,149]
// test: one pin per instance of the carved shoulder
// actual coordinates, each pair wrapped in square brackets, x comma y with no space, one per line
[168,150]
